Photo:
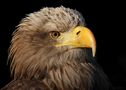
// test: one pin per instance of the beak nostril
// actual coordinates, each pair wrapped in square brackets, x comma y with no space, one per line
[78,32]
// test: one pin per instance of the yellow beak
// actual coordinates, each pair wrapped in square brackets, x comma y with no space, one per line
[78,37]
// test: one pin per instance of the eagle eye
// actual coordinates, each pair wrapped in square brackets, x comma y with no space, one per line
[54,34]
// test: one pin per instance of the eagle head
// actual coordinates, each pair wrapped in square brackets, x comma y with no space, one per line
[50,45]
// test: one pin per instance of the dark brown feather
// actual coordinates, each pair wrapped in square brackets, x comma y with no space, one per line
[25,85]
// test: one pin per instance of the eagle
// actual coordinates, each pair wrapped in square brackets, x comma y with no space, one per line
[52,49]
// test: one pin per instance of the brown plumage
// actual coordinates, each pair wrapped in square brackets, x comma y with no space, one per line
[34,57]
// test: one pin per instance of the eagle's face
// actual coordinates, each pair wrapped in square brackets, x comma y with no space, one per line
[47,39]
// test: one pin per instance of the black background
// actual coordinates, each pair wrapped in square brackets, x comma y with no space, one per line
[106,19]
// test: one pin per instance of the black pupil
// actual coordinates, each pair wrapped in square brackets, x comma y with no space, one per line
[56,34]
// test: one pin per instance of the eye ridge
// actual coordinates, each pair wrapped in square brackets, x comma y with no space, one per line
[54,34]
